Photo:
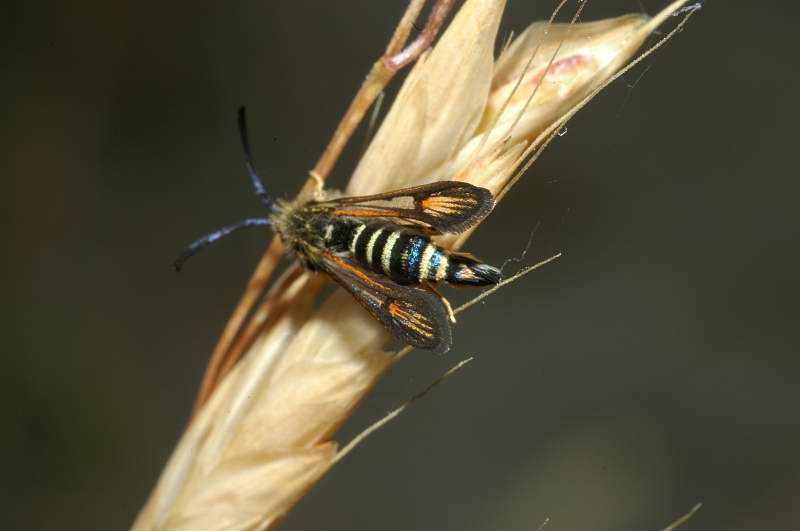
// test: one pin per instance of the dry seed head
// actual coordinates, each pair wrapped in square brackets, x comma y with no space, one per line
[440,103]
[586,54]
[263,438]
[542,75]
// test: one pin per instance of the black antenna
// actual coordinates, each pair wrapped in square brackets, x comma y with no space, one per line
[248,157]
[208,239]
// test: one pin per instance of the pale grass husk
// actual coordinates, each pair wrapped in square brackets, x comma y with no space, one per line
[263,439]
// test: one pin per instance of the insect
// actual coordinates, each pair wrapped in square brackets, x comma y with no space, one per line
[379,248]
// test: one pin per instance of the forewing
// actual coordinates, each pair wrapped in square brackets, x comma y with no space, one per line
[444,206]
[413,315]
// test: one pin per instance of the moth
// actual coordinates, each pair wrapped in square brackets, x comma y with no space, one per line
[379,248]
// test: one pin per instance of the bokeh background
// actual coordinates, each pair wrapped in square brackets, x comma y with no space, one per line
[654,366]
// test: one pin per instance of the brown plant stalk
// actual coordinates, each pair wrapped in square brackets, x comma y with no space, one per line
[261,436]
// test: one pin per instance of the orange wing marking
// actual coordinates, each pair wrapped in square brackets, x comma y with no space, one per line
[413,320]
[447,204]
[360,274]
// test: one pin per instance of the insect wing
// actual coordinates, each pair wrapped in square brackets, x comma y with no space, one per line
[445,206]
[413,315]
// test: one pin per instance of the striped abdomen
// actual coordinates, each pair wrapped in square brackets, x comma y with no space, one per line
[408,257]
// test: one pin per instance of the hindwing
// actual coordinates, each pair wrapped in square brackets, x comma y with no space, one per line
[414,315]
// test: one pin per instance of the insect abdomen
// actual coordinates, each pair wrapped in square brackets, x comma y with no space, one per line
[468,271]
[387,249]
[408,257]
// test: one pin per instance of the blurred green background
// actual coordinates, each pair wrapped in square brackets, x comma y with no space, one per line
[655,365]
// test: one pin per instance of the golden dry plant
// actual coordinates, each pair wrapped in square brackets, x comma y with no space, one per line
[262,433]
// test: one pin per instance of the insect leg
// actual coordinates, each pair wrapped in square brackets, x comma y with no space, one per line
[444,300]
[208,239]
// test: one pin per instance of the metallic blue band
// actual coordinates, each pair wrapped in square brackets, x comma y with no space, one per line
[414,256]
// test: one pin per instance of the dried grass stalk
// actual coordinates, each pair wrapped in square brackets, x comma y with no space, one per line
[264,437]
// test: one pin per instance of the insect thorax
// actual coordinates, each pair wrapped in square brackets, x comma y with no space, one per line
[300,224]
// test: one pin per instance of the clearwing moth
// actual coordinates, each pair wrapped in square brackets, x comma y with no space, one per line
[379,248]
